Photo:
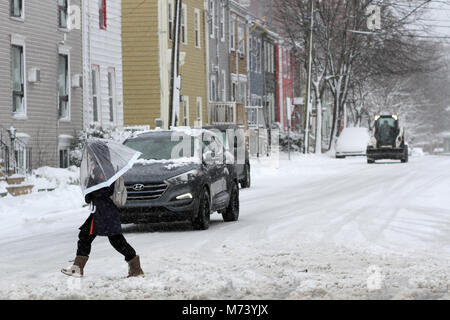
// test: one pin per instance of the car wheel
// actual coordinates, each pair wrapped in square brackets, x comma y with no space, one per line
[370,160]
[232,211]
[201,222]
[245,183]
[340,157]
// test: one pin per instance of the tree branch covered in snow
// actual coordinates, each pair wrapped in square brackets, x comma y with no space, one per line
[348,51]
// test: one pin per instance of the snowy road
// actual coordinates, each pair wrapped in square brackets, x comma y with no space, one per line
[362,232]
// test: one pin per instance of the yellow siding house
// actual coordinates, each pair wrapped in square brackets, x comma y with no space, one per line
[147,41]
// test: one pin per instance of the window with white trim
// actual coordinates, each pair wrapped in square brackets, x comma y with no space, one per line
[102,13]
[213,88]
[223,86]
[199,111]
[96,92]
[222,22]
[183,23]
[185,111]
[111,93]
[18,84]
[197,27]
[63,86]
[232,34]
[170,18]
[16,8]
[212,19]
[241,39]
[63,13]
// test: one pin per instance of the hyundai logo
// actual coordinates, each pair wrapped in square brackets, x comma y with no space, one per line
[138,187]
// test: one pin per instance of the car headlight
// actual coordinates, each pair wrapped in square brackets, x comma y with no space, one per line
[183,178]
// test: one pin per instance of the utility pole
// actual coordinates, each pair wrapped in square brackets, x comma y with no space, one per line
[175,81]
[308,85]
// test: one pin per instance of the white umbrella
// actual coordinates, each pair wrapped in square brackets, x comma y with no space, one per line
[103,162]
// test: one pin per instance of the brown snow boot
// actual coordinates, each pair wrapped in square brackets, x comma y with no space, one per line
[76,270]
[134,268]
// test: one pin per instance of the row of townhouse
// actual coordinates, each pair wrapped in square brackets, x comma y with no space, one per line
[69,64]
[61,71]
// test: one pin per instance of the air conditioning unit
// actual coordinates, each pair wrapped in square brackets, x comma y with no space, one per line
[34,75]
[215,68]
[241,55]
[77,81]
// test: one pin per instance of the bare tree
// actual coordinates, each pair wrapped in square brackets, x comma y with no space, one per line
[345,51]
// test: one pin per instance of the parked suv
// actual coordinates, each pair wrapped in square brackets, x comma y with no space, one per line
[181,175]
[234,139]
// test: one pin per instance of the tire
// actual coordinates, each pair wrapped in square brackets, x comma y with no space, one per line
[370,161]
[405,155]
[202,221]
[232,211]
[246,182]
[340,157]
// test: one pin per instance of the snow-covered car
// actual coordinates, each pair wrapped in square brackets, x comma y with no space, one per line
[166,186]
[352,142]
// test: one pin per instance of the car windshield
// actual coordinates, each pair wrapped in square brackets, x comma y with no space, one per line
[161,147]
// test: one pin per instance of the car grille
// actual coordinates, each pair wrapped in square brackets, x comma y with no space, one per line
[145,192]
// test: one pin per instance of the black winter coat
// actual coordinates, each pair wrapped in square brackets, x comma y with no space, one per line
[105,221]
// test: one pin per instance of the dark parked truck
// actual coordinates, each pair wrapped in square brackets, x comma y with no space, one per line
[235,141]
[388,140]
[181,176]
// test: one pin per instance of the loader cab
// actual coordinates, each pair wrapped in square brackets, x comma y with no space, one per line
[386,129]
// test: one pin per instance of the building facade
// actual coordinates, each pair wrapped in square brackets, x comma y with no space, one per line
[102,63]
[41,80]
[147,38]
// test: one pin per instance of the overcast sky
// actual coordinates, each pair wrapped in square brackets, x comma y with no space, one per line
[438,16]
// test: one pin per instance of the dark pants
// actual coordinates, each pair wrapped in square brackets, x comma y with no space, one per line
[117,241]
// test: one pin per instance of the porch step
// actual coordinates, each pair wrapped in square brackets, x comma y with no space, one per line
[19,190]
[15,180]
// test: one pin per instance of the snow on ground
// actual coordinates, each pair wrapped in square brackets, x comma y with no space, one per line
[361,231]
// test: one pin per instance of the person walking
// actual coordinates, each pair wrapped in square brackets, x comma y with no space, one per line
[98,179]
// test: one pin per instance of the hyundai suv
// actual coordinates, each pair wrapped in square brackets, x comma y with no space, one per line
[182,175]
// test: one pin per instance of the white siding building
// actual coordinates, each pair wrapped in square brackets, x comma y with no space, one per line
[102,63]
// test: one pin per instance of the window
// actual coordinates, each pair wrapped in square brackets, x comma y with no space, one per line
[63,13]
[251,59]
[199,111]
[258,56]
[222,22]
[232,34]
[186,111]
[197,27]
[170,16]
[223,86]
[18,85]
[95,92]
[234,91]
[63,85]
[183,24]
[213,88]
[212,19]
[64,158]
[102,14]
[111,92]
[242,93]
[16,8]
[241,38]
